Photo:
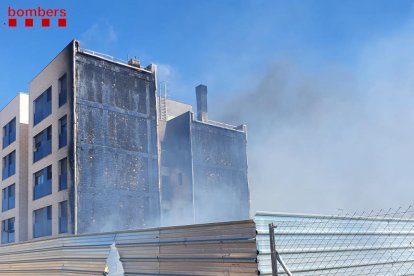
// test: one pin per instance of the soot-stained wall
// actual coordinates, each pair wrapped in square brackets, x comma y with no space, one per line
[203,173]
[176,172]
[220,173]
[116,147]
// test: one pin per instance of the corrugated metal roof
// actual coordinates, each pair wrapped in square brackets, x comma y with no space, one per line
[209,249]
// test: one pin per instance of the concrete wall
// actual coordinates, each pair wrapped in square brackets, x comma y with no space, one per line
[116,146]
[49,77]
[203,173]
[17,108]
[220,173]
[176,167]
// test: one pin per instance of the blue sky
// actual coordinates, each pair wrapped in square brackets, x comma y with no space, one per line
[325,86]
[220,43]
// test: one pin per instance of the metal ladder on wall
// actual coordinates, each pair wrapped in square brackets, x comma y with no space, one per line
[162,96]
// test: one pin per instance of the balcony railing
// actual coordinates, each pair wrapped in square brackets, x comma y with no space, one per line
[42,229]
[43,151]
[42,189]
[63,181]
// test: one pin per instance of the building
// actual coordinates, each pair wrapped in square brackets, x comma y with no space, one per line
[14,119]
[203,166]
[104,153]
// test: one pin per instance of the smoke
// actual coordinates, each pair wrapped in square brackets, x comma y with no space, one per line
[334,137]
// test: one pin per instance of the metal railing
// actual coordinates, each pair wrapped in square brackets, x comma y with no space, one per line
[366,244]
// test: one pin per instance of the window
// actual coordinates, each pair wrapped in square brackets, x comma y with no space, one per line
[42,183]
[7,233]
[63,174]
[63,133]
[42,219]
[9,165]
[42,106]
[63,217]
[42,144]
[9,197]
[9,133]
[63,90]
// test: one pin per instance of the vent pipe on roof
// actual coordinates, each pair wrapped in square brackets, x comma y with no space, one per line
[201,93]
[134,62]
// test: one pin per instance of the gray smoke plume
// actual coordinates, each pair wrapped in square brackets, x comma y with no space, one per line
[327,139]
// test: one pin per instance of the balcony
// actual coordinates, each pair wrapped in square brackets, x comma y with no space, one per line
[42,189]
[63,225]
[42,151]
[63,182]
[42,229]
[63,139]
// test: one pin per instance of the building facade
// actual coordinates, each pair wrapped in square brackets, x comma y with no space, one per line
[14,119]
[97,150]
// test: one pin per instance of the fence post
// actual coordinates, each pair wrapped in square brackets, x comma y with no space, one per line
[273,248]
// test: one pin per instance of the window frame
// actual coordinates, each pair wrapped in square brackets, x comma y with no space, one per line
[42,106]
[63,97]
[6,197]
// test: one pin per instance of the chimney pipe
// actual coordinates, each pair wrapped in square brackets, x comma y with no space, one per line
[201,93]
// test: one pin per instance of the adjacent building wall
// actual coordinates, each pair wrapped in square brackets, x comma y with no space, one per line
[176,172]
[116,146]
[17,108]
[203,172]
[49,77]
[221,190]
